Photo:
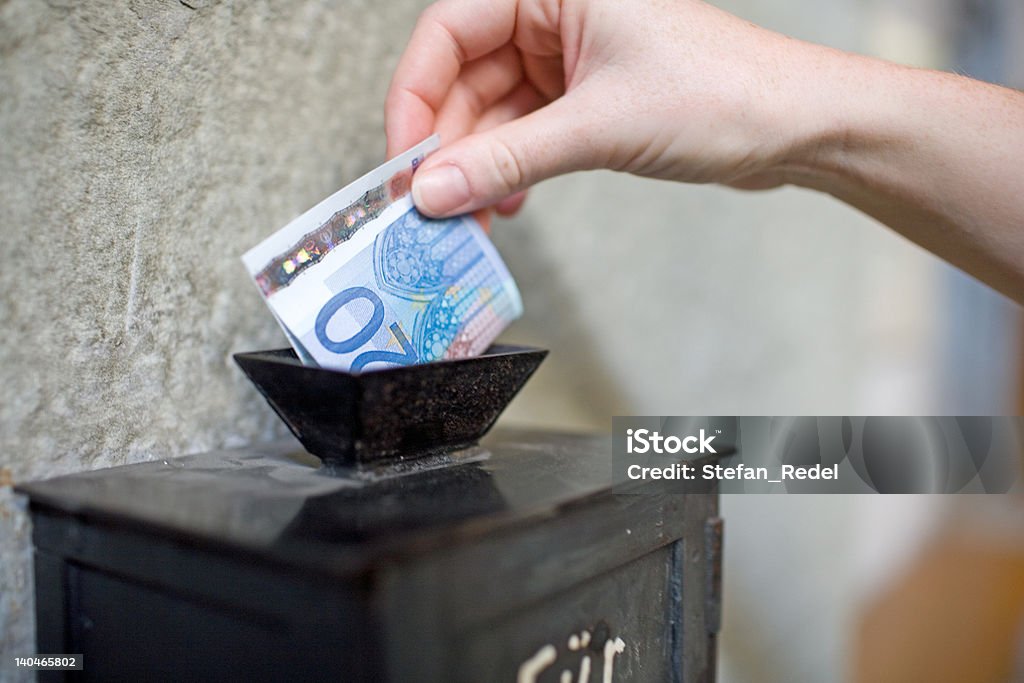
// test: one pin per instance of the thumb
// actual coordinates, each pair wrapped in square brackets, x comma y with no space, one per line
[480,170]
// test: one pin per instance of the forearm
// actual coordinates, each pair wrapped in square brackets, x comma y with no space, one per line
[937,157]
[708,97]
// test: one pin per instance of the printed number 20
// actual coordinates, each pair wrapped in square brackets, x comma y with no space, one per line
[342,299]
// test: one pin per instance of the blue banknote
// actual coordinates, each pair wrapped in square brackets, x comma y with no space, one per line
[363,281]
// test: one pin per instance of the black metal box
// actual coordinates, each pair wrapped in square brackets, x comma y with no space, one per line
[510,561]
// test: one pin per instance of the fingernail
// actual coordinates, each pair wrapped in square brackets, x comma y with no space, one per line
[440,190]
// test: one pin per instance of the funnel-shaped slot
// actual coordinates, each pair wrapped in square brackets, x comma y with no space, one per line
[410,411]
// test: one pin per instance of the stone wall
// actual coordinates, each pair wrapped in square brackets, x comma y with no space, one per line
[145,145]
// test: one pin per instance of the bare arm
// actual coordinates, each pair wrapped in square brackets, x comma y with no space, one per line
[522,90]
[937,157]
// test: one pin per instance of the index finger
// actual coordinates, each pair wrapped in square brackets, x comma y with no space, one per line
[448,34]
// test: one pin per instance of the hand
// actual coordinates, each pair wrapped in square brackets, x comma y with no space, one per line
[523,90]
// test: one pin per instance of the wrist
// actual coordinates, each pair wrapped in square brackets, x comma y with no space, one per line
[843,112]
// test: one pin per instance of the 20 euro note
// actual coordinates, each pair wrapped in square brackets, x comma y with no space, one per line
[363,281]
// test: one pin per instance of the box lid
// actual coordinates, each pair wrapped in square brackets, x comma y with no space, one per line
[277,502]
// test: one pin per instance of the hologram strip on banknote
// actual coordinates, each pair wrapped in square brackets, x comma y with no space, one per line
[364,281]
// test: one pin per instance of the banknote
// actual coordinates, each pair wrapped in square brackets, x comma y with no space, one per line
[363,281]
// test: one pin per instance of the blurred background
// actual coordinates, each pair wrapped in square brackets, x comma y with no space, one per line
[658,299]
[148,143]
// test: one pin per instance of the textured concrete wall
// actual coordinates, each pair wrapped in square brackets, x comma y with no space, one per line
[146,144]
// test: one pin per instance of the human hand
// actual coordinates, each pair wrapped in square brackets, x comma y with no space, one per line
[523,90]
